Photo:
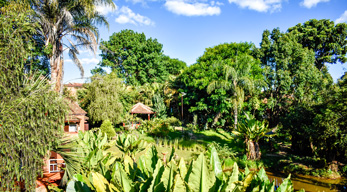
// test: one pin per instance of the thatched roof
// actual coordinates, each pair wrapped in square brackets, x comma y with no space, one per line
[141,109]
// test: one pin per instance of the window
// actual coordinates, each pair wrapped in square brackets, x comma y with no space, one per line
[72,128]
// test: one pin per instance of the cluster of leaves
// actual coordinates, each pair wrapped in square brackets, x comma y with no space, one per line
[150,173]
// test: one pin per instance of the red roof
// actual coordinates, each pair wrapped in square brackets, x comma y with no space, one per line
[74,85]
[75,110]
[141,108]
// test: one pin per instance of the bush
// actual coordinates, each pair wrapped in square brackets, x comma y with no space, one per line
[107,128]
[173,121]
[156,127]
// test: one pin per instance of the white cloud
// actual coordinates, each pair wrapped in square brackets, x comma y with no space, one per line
[85,61]
[259,5]
[311,3]
[342,18]
[104,10]
[192,9]
[126,15]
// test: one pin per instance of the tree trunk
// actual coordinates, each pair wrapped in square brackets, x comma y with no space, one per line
[57,67]
[235,117]
[257,150]
[216,118]
[251,151]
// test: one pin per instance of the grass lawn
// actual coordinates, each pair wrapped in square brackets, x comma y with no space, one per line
[188,148]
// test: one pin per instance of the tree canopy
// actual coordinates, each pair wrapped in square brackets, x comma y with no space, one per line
[327,40]
[194,81]
[134,57]
[107,98]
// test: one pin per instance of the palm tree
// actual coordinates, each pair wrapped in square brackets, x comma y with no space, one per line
[252,130]
[68,26]
[235,79]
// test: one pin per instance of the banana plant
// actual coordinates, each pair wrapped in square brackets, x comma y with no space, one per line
[130,145]
[152,174]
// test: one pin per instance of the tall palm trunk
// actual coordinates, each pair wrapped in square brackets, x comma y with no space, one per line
[57,68]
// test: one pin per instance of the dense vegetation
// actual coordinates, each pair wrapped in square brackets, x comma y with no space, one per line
[269,98]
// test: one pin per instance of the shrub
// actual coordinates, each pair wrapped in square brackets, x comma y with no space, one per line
[156,127]
[107,128]
[173,121]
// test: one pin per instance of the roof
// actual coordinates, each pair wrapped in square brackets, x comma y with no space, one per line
[74,85]
[75,111]
[141,108]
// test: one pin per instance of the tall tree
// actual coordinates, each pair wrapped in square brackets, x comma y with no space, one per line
[134,58]
[327,40]
[31,114]
[68,25]
[294,85]
[107,98]
[211,108]
[236,78]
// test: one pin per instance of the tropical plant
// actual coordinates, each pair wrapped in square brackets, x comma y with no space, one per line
[252,130]
[153,174]
[69,20]
[130,145]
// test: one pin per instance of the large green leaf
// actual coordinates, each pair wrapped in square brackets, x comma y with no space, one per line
[216,165]
[182,168]
[178,185]
[231,184]
[158,172]
[262,175]
[121,179]
[168,175]
[99,182]
[199,179]
[286,186]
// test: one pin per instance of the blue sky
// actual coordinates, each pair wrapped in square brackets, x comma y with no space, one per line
[187,27]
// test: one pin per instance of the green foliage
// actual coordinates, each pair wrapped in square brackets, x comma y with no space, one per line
[156,127]
[224,152]
[107,97]
[290,74]
[153,174]
[327,40]
[174,66]
[107,128]
[31,114]
[135,59]
[173,121]
[212,107]
[159,106]
[130,145]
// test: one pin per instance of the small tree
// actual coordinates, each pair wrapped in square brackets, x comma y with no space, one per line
[252,130]
[107,128]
